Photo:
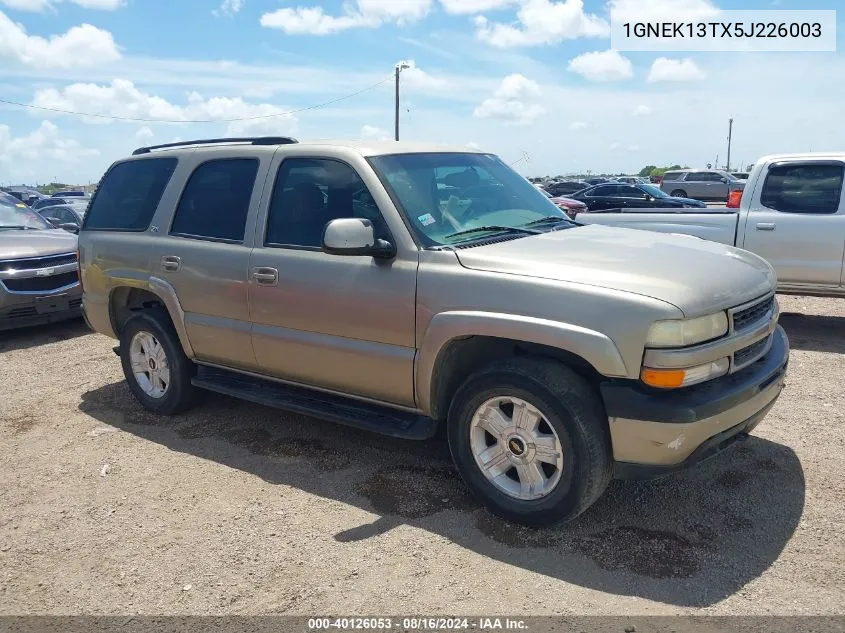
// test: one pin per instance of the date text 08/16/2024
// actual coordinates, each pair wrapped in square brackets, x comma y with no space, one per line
[416,624]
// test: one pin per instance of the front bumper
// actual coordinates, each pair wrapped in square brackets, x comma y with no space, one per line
[22,310]
[654,433]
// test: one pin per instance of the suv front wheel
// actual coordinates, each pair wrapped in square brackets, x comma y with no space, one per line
[156,369]
[530,439]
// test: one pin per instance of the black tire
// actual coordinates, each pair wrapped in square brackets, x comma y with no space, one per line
[180,393]
[570,406]
[679,193]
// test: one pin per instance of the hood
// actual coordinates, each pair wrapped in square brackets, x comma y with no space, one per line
[567,201]
[19,244]
[695,275]
[690,201]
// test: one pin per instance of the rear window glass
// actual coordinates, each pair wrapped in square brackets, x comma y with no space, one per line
[803,188]
[128,195]
[216,199]
[672,175]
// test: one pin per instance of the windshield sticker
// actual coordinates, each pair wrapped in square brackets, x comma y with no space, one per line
[426,219]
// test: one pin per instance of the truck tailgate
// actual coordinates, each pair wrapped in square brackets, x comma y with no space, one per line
[716,225]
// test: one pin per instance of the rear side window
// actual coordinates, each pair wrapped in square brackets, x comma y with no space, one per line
[803,188]
[672,175]
[215,201]
[128,195]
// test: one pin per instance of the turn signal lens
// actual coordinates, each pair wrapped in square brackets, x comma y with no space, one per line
[674,378]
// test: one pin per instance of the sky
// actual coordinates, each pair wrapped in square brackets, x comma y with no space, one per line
[534,81]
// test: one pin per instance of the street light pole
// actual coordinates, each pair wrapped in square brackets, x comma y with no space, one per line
[399,68]
[730,133]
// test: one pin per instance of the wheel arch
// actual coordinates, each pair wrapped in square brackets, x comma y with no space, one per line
[458,343]
[125,300]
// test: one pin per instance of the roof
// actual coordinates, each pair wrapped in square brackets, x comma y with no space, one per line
[363,146]
[803,156]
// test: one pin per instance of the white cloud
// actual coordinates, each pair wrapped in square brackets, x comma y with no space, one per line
[123,99]
[664,69]
[25,157]
[513,101]
[641,110]
[415,77]
[633,148]
[579,125]
[606,65]
[467,7]
[614,146]
[473,145]
[83,45]
[542,22]
[144,133]
[373,132]
[42,5]
[360,14]
[228,8]
[661,10]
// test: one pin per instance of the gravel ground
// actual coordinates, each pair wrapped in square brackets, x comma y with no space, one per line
[240,509]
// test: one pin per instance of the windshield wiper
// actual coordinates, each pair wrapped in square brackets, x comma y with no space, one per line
[549,219]
[492,228]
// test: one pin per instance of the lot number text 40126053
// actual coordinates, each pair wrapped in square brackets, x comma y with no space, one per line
[417,624]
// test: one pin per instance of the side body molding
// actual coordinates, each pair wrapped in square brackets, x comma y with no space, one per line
[594,347]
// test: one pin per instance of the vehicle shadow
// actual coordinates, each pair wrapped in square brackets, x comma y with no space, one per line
[689,540]
[813,332]
[37,335]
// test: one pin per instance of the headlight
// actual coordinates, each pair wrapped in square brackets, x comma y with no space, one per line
[683,332]
[674,378]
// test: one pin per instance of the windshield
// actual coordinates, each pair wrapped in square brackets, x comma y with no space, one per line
[442,194]
[19,216]
[654,192]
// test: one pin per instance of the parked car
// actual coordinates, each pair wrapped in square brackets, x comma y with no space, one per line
[612,196]
[556,355]
[24,194]
[564,187]
[42,204]
[70,193]
[700,184]
[791,213]
[741,175]
[67,216]
[597,180]
[632,180]
[570,206]
[38,269]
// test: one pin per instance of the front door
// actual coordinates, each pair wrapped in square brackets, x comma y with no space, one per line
[796,221]
[343,323]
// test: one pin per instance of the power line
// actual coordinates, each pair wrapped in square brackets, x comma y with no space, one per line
[247,118]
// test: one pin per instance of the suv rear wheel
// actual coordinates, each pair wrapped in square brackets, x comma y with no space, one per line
[678,193]
[530,439]
[156,369]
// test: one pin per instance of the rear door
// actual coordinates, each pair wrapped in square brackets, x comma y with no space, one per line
[632,198]
[204,250]
[601,198]
[697,184]
[796,221]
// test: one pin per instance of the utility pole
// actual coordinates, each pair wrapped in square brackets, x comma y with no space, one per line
[399,68]
[730,133]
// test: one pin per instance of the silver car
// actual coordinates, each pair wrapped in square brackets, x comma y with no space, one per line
[701,184]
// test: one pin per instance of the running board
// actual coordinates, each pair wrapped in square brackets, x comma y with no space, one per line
[361,415]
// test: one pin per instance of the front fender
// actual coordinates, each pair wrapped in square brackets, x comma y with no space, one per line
[594,347]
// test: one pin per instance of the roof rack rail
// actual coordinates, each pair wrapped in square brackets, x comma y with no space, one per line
[253,140]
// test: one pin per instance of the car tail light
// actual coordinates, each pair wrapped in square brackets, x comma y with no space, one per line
[734,199]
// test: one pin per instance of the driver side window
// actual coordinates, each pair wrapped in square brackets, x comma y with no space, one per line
[311,192]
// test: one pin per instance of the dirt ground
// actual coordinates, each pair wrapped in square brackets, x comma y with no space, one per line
[240,509]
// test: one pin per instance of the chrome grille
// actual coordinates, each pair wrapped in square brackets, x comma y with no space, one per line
[32,263]
[747,317]
[41,284]
[751,353]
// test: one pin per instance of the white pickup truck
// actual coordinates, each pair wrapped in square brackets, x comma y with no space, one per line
[791,213]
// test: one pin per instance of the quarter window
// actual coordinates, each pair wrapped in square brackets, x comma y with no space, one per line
[215,202]
[128,195]
[803,188]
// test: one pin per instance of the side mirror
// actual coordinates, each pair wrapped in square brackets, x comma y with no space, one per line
[70,227]
[724,180]
[355,236]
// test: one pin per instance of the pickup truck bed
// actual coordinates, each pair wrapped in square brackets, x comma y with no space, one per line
[716,224]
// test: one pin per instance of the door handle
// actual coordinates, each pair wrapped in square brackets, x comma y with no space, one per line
[171,263]
[765,226]
[265,276]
